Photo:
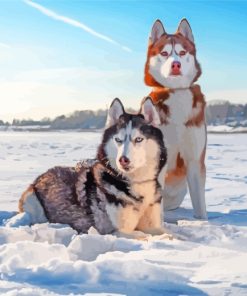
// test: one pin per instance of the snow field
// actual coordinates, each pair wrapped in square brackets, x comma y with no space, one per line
[51,259]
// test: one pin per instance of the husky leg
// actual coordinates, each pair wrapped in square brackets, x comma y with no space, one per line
[30,204]
[196,177]
[173,194]
[152,221]
[125,219]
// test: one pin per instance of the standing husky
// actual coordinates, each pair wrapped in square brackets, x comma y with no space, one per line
[171,69]
[116,193]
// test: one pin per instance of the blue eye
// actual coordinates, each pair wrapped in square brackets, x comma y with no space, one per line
[118,140]
[138,140]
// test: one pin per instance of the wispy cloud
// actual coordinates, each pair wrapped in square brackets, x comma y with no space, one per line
[74,23]
[4,45]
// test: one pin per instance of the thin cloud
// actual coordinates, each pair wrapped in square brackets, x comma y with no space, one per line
[73,23]
[4,45]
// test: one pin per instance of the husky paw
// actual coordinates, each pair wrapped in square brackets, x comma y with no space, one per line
[143,239]
[157,231]
[164,236]
[139,235]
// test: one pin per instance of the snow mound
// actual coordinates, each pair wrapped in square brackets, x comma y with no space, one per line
[91,262]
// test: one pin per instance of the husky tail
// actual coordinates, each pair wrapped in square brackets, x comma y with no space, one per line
[30,204]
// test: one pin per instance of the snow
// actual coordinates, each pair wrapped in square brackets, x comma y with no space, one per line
[207,258]
[226,129]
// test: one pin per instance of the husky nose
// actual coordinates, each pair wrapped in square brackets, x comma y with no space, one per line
[124,161]
[176,66]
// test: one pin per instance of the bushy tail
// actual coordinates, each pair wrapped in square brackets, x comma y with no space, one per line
[29,203]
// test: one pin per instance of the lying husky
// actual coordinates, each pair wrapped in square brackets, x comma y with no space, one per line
[116,193]
[171,69]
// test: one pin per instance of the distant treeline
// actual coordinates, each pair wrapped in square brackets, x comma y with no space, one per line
[217,113]
[86,119]
[226,113]
[77,120]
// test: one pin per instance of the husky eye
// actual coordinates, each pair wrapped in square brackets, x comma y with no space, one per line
[164,53]
[182,52]
[118,140]
[138,140]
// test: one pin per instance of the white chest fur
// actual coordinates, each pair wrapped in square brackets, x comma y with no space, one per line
[180,109]
[180,106]
[179,138]
[126,218]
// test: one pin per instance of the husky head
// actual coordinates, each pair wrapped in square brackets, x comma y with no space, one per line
[132,143]
[171,58]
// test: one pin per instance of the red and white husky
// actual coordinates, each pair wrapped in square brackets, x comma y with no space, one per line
[171,69]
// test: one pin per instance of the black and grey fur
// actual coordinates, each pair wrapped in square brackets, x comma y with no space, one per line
[118,192]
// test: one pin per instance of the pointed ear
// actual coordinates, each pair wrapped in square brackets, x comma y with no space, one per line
[115,111]
[157,31]
[149,112]
[185,29]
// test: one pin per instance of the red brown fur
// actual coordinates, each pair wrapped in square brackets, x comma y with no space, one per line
[178,173]
[199,104]
[202,161]
[158,96]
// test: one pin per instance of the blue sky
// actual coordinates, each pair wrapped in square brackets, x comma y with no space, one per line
[61,55]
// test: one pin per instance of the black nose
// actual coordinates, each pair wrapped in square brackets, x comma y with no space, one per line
[124,161]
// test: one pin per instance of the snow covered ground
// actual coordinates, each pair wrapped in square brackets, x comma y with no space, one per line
[53,260]
[226,129]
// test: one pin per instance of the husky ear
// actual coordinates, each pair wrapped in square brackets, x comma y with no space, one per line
[185,29]
[149,112]
[115,111]
[157,31]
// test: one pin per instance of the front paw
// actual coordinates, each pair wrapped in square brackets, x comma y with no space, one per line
[139,235]
[156,231]
[164,236]
[160,234]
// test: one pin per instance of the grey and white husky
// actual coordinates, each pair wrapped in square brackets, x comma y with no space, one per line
[118,192]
